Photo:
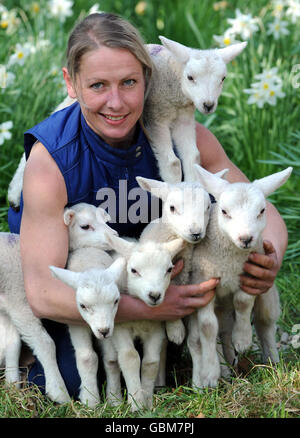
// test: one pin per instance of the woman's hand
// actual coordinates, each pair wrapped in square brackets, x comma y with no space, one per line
[183,300]
[260,271]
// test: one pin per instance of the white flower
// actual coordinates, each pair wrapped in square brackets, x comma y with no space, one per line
[94,9]
[278,28]
[225,40]
[61,9]
[6,77]
[293,10]
[4,131]
[267,90]
[278,7]
[243,24]
[9,21]
[20,54]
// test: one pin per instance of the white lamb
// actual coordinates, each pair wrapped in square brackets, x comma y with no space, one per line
[183,79]
[185,214]
[234,231]
[147,277]
[83,220]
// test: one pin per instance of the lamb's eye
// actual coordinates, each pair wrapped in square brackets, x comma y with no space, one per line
[84,227]
[172,209]
[134,271]
[170,270]
[224,212]
[190,78]
[117,300]
[223,79]
[83,306]
[261,212]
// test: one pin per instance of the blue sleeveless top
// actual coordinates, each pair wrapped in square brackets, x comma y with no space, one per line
[95,172]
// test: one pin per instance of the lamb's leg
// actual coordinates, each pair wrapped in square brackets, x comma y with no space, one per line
[242,331]
[87,364]
[161,142]
[184,136]
[194,346]
[208,332]
[113,373]
[42,345]
[175,331]
[150,363]
[266,314]
[161,376]
[227,355]
[12,355]
[130,364]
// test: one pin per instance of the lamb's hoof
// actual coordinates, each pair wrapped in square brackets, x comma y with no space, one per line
[89,399]
[175,331]
[137,401]
[241,340]
[59,396]
[114,399]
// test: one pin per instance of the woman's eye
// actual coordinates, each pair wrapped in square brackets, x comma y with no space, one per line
[129,82]
[97,86]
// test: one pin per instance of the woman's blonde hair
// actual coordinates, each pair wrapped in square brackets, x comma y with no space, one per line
[110,30]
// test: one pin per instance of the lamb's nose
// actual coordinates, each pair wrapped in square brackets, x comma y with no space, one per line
[104,331]
[246,240]
[208,106]
[196,236]
[154,296]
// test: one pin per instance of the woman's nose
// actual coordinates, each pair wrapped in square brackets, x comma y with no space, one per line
[114,100]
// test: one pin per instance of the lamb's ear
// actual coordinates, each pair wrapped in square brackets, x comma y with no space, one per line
[66,276]
[270,183]
[121,246]
[102,215]
[231,52]
[213,184]
[69,214]
[157,188]
[117,267]
[221,173]
[181,52]
[174,246]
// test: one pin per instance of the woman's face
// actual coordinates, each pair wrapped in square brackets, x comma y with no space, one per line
[110,88]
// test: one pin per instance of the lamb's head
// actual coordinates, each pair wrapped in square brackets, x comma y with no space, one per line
[97,294]
[186,207]
[204,72]
[87,226]
[149,267]
[241,207]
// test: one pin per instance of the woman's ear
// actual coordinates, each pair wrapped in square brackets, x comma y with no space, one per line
[69,83]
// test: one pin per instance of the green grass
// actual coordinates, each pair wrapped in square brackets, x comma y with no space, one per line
[259,141]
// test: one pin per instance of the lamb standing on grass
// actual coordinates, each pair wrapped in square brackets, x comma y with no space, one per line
[183,79]
[147,277]
[83,221]
[234,231]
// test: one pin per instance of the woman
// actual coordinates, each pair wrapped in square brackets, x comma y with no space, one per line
[94,144]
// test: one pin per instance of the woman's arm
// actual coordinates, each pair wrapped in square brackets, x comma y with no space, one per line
[44,239]
[262,268]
